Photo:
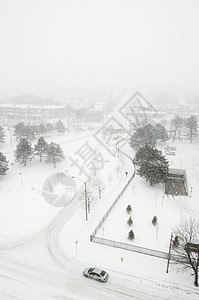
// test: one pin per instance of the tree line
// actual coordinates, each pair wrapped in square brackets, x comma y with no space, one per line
[25,152]
[187,126]
[31,131]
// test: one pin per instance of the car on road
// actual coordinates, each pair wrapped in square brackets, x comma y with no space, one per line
[95,273]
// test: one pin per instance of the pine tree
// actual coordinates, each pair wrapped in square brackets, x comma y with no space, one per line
[42,129]
[131,235]
[148,135]
[49,128]
[24,151]
[152,165]
[59,126]
[2,135]
[40,148]
[130,221]
[143,136]
[19,130]
[30,132]
[155,220]
[54,154]
[129,209]
[3,164]
[160,132]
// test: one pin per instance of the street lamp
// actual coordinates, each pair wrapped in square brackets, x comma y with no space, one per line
[85,195]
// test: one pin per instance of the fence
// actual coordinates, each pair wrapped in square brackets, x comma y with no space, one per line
[138,249]
[115,244]
[115,201]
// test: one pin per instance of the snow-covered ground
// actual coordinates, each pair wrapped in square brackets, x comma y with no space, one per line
[44,249]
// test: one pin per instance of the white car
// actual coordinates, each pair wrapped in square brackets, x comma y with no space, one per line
[95,273]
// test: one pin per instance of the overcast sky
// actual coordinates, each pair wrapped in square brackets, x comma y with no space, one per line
[53,45]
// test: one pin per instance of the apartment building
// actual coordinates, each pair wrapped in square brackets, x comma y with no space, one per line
[22,112]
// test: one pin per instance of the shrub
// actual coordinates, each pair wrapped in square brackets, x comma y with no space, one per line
[155,220]
[131,235]
[130,221]
[129,209]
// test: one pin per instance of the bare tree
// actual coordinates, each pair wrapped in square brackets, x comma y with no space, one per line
[187,247]
[192,127]
[99,186]
[91,199]
[178,125]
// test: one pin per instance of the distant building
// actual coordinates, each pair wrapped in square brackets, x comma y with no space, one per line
[22,112]
[94,115]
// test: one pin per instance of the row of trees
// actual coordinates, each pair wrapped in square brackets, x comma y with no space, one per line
[180,125]
[131,234]
[26,152]
[31,131]
[151,133]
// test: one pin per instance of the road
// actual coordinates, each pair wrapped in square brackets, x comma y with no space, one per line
[37,268]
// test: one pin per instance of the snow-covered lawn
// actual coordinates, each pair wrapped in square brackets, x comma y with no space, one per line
[147,202]
[23,208]
[24,211]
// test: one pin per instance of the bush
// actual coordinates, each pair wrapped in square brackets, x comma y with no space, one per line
[130,221]
[131,235]
[155,220]
[129,209]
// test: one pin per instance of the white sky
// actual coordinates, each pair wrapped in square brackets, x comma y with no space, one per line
[59,44]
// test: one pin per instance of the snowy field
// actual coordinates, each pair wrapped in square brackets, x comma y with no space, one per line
[44,249]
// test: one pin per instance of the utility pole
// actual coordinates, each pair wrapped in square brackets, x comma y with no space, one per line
[169,254]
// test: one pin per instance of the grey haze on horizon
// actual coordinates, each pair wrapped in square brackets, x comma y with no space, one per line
[55,45]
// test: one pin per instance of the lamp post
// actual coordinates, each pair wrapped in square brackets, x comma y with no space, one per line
[85,195]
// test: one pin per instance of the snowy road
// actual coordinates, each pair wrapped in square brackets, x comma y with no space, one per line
[22,279]
[39,269]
